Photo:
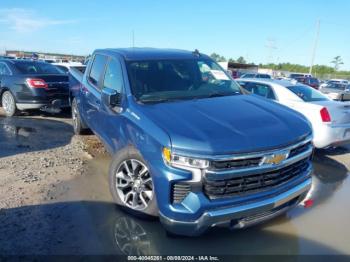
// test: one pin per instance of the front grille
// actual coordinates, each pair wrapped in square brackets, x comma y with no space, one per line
[300,149]
[253,161]
[243,185]
[239,163]
[179,192]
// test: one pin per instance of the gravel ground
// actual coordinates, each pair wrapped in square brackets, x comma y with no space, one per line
[36,158]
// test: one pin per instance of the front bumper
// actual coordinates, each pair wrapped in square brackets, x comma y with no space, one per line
[241,215]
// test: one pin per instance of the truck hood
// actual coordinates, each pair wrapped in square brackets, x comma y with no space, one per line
[228,125]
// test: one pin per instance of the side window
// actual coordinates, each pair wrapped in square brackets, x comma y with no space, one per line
[114,77]
[4,70]
[97,69]
[262,90]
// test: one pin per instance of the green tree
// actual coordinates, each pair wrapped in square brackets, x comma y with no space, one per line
[241,60]
[217,57]
[231,60]
[337,61]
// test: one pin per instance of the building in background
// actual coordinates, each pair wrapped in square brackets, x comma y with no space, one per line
[45,56]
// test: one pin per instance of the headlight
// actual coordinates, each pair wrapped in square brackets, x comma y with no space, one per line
[177,160]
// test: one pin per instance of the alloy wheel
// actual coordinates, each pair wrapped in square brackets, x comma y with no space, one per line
[8,103]
[134,184]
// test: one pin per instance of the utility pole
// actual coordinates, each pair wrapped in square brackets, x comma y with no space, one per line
[133,38]
[271,46]
[315,46]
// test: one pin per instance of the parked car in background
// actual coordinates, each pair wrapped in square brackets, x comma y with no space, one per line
[335,81]
[26,84]
[257,75]
[7,57]
[336,91]
[297,75]
[187,144]
[65,67]
[309,81]
[330,119]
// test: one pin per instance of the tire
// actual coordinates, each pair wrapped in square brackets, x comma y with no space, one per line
[78,124]
[9,104]
[131,184]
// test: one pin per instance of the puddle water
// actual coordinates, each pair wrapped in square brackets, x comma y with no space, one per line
[321,229]
[19,135]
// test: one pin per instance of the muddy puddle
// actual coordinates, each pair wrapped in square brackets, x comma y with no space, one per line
[19,135]
[102,228]
[83,220]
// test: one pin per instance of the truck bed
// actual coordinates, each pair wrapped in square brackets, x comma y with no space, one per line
[75,75]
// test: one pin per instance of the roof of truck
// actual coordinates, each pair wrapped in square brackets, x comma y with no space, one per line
[137,53]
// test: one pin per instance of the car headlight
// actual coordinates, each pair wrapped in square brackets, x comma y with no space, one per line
[178,160]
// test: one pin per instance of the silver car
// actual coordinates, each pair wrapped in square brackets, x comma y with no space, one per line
[336,91]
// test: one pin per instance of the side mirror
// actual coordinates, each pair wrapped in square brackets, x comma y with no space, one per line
[111,97]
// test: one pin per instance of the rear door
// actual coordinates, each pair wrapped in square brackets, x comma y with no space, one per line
[91,92]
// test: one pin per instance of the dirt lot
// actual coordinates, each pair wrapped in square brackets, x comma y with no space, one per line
[55,200]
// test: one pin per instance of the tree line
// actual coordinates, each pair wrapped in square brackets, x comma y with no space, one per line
[319,70]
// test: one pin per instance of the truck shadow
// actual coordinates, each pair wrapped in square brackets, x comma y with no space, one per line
[99,228]
[21,134]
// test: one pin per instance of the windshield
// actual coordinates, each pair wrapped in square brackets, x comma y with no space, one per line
[165,80]
[31,67]
[308,94]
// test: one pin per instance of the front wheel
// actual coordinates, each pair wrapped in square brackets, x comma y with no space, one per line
[131,183]
[8,104]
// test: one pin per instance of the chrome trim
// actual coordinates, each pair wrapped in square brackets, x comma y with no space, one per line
[258,169]
[260,154]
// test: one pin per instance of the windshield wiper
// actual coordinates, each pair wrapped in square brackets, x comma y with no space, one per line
[222,94]
[155,100]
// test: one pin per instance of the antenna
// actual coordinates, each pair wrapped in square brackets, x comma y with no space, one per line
[196,52]
[315,46]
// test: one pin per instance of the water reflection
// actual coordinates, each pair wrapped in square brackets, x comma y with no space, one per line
[20,135]
[329,176]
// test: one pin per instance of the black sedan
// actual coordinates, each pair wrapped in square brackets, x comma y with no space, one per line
[26,84]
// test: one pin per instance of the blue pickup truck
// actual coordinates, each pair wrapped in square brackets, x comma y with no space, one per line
[188,144]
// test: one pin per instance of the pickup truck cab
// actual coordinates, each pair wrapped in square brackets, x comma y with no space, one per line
[188,144]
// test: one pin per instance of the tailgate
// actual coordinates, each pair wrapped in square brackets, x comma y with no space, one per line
[339,111]
[340,114]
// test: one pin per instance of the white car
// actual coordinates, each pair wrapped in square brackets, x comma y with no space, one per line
[65,67]
[330,119]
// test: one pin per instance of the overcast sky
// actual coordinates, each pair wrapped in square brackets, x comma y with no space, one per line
[260,30]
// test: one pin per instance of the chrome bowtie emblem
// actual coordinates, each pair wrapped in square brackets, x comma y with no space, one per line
[275,158]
